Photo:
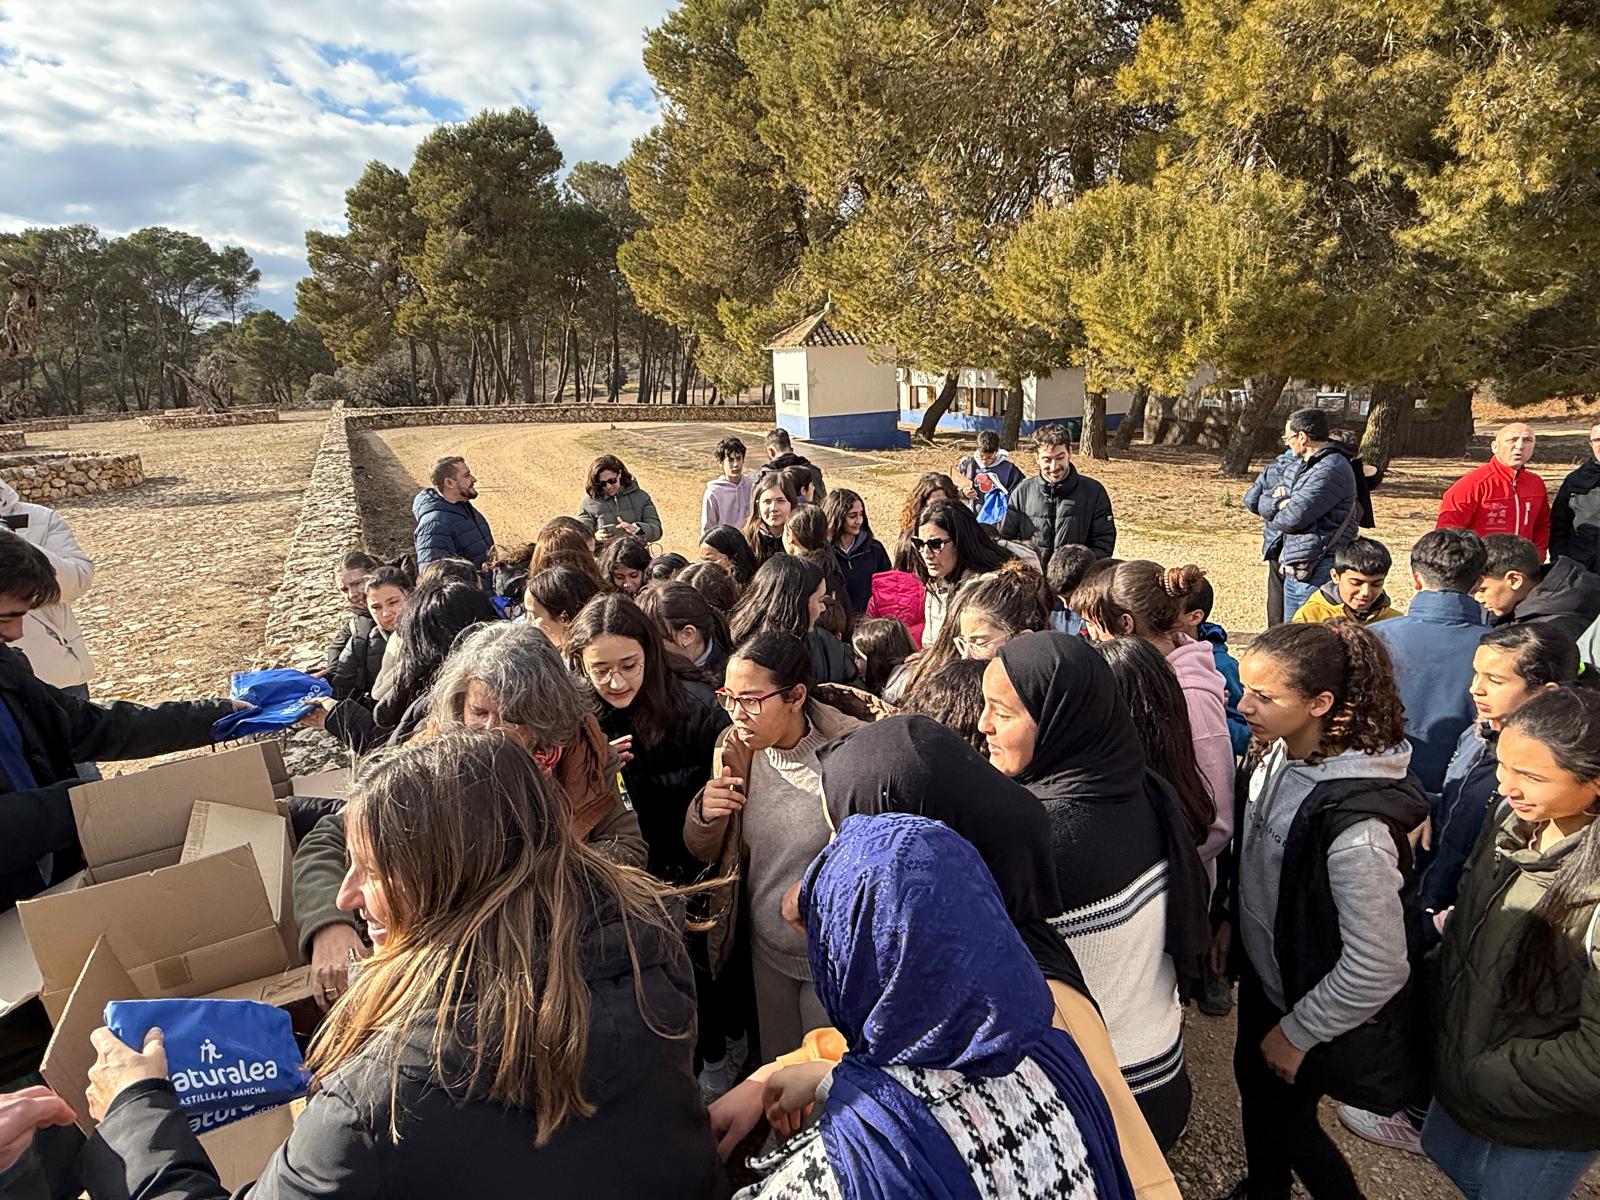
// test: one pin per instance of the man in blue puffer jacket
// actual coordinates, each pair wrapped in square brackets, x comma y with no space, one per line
[1269,491]
[447,524]
[1319,514]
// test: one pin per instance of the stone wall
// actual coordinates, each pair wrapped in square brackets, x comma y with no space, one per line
[204,420]
[12,439]
[43,425]
[549,414]
[50,478]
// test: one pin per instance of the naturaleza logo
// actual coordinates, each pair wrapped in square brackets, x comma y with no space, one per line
[235,1079]
[204,1122]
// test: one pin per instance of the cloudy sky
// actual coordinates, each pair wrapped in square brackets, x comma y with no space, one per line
[245,120]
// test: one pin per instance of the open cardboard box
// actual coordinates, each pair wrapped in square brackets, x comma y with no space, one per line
[238,1151]
[188,879]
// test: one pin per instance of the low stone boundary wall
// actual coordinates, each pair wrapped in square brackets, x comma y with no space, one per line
[12,439]
[205,420]
[48,478]
[554,414]
[42,425]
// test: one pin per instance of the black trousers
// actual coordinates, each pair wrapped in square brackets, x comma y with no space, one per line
[1282,1136]
[1274,595]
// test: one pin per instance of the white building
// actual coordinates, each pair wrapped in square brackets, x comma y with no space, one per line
[981,399]
[829,387]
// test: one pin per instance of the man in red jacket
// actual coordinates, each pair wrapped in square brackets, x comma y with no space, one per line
[1502,496]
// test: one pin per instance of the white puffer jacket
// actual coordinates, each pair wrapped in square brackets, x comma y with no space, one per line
[50,636]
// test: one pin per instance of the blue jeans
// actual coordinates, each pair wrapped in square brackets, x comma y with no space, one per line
[1485,1170]
[1296,593]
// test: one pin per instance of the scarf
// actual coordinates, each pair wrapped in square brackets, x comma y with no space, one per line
[1088,750]
[918,965]
[581,771]
[915,765]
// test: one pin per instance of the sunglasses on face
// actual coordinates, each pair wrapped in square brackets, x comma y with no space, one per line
[611,481]
[930,545]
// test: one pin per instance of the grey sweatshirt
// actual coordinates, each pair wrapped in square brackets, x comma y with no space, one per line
[1364,874]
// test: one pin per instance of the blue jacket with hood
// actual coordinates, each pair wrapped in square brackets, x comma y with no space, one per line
[449,530]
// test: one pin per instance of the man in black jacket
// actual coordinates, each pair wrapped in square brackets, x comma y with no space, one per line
[780,454]
[1058,506]
[1575,515]
[43,731]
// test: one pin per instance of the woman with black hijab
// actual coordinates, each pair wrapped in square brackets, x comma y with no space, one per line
[1132,887]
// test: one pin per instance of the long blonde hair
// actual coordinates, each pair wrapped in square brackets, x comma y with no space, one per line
[488,891]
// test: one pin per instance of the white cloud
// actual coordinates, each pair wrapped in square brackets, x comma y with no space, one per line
[246,122]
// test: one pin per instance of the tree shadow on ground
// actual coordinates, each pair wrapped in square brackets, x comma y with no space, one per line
[384,490]
[162,491]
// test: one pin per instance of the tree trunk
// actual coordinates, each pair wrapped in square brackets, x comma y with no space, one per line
[411,354]
[472,371]
[689,365]
[1257,411]
[1383,424]
[1011,431]
[1157,427]
[1092,442]
[441,393]
[1123,438]
[561,379]
[614,363]
[936,411]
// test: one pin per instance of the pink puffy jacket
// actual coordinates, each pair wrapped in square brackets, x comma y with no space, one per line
[899,594]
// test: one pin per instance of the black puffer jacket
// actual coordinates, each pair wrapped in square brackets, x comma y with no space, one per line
[1566,599]
[1575,517]
[1074,512]
[831,660]
[664,778]
[58,730]
[360,660]
[649,1135]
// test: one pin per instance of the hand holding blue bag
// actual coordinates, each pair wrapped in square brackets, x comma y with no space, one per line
[277,699]
[225,1058]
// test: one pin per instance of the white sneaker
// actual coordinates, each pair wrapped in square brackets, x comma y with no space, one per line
[716,1078]
[1393,1130]
[738,1052]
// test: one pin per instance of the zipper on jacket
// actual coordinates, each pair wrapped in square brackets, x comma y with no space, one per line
[1472,938]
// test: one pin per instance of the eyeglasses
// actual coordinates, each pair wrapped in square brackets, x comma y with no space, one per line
[612,481]
[599,675]
[930,545]
[750,704]
[971,647]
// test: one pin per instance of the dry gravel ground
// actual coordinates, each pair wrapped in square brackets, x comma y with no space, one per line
[188,562]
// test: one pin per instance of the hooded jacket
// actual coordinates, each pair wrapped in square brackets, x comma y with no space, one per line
[1510,1076]
[1495,499]
[1431,648]
[454,1141]
[1321,511]
[1001,473]
[791,459]
[901,595]
[50,635]
[447,529]
[1073,512]
[355,671]
[1330,949]
[726,503]
[1575,517]
[1262,500]
[1325,605]
[865,558]
[1205,696]
[57,730]
[1133,886]
[1228,667]
[631,504]
[1566,598]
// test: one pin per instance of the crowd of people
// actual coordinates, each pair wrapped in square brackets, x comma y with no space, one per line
[890,869]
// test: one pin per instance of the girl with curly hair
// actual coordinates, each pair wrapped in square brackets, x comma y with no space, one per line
[1325,994]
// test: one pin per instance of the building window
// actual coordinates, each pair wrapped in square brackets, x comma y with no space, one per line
[791,395]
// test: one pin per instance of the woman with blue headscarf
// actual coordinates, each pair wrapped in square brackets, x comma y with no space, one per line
[955,1084]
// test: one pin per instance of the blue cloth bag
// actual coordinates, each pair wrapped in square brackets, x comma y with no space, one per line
[995,506]
[222,1055]
[278,698]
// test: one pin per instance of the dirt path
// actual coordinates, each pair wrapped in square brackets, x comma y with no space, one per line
[186,564]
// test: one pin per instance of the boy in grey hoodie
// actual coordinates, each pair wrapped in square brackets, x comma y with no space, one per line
[727,498]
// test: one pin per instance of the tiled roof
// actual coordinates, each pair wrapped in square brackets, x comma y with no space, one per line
[815,330]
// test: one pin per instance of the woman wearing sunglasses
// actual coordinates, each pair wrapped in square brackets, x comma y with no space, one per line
[947,547]
[616,504]
[761,817]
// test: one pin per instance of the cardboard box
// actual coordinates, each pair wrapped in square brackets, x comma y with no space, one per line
[238,1151]
[188,878]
